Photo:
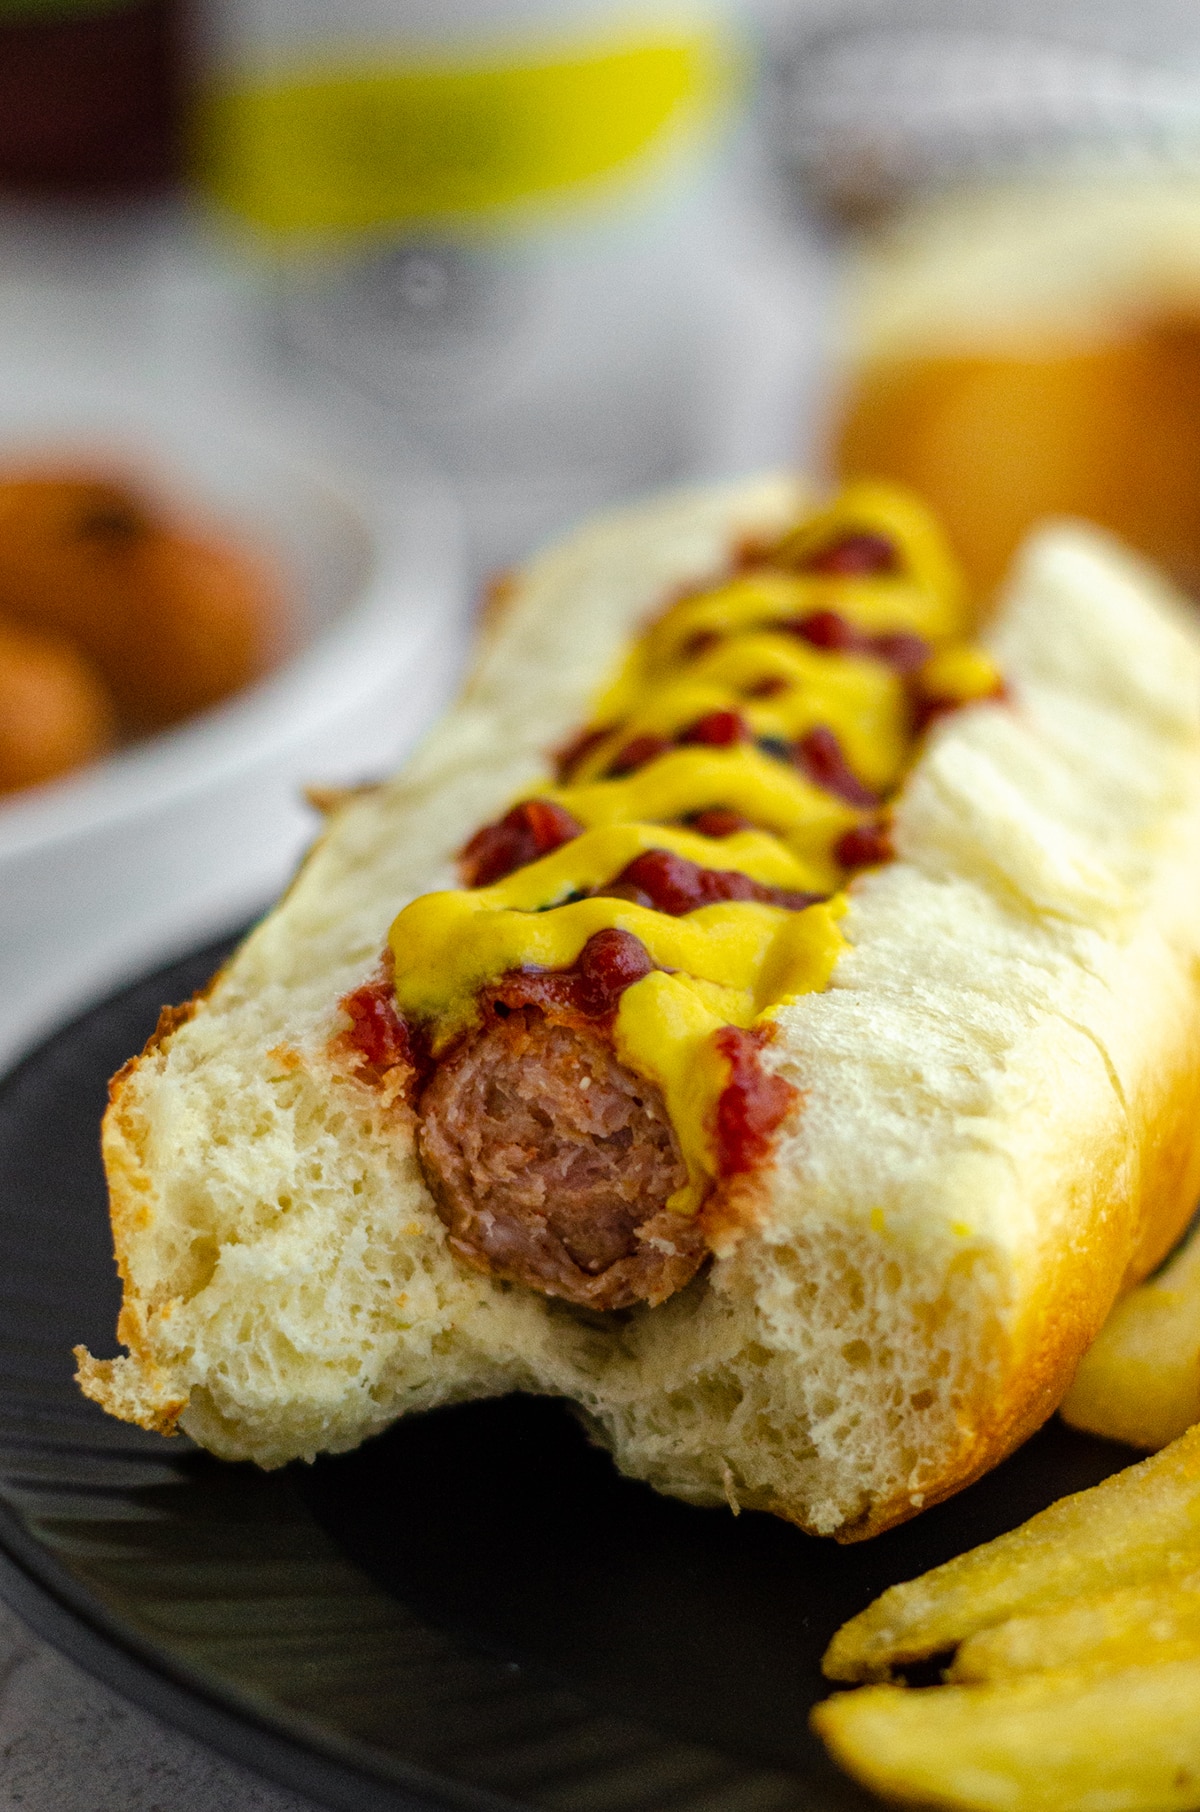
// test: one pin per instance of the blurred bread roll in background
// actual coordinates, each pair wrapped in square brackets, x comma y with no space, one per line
[1032,349]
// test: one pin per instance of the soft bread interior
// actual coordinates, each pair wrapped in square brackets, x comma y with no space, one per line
[998,1088]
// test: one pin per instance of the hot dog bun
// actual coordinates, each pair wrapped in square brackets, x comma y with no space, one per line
[997,1088]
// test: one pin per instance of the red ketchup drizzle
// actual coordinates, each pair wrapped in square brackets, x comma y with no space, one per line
[901,650]
[669,883]
[830,630]
[718,821]
[609,962]
[636,753]
[827,629]
[573,753]
[715,730]
[770,687]
[854,556]
[928,710]
[751,1106]
[700,643]
[865,846]
[718,729]
[379,1037]
[531,829]
[819,753]
[591,988]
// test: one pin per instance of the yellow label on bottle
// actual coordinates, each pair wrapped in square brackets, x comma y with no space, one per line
[345,150]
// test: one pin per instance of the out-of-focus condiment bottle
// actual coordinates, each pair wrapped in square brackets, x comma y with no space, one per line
[492,216]
[331,121]
[89,96]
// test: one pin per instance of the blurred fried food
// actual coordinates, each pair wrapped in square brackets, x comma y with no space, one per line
[1141,1524]
[172,621]
[1076,1682]
[209,621]
[1140,1380]
[55,712]
[1053,1742]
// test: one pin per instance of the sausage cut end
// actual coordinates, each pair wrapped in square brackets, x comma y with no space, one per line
[552,1163]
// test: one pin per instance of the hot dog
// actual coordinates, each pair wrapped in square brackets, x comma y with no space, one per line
[786,1050]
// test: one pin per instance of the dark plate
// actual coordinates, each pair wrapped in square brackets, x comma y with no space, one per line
[472,1610]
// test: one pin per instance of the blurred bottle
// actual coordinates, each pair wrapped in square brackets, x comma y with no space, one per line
[89,96]
[492,216]
[331,120]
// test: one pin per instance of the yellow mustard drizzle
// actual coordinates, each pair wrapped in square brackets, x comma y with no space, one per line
[722,649]
[863,699]
[742,779]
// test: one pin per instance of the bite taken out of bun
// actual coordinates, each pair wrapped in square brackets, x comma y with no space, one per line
[838,1256]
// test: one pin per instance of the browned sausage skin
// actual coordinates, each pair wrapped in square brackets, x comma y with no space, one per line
[551,1163]
[549,1160]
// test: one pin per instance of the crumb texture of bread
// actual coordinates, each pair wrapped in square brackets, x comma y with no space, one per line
[999,1087]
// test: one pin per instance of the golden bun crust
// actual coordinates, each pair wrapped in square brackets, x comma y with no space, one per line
[998,1088]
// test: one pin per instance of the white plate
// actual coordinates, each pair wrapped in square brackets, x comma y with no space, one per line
[185,832]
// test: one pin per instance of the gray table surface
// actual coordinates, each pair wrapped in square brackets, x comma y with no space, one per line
[69,1744]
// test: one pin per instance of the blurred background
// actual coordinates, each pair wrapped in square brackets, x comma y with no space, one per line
[314,315]
[317,314]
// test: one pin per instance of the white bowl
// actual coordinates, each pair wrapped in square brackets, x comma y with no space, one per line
[184,834]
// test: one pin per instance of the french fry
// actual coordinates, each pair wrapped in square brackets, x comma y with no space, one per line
[1142,1524]
[1053,1742]
[1158,1622]
[1140,1380]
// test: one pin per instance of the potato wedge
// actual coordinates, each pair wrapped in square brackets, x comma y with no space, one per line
[1141,1524]
[1140,1380]
[1157,1622]
[1053,1742]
